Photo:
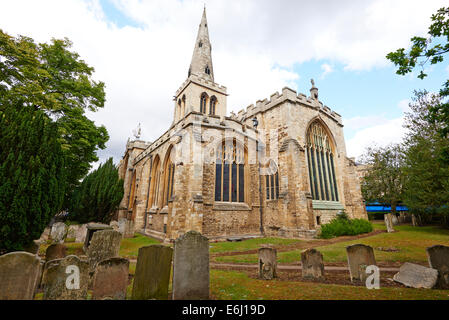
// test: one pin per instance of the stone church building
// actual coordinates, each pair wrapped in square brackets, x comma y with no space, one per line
[277,168]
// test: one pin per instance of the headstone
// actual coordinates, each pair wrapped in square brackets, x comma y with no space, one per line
[105,244]
[45,235]
[33,247]
[58,232]
[416,276]
[152,273]
[19,275]
[91,229]
[191,267]
[267,263]
[389,222]
[359,254]
[66,279]
[394,220]
[312,264]
[80,234]
[71,232]
[126,227]
[438,257]
[114,225]
[111,279]
[55,251]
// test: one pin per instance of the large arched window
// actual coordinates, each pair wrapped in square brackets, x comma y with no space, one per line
[271,180]
[230,172]
[155,182]
[320,154]
[213,103]
[169,174]
[203,102]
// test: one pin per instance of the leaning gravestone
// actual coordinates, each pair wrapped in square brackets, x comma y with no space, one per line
[152,273]
[267,263]
[105,244]
[91,228]
[438,257]
[55,251]
[58,232]
[111,279]
[359,254]
[416,276]
[66,279]
[389,222]
[191,267]
[312,264]
[19,275]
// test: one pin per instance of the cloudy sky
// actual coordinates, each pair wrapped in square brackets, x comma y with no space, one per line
[142,49]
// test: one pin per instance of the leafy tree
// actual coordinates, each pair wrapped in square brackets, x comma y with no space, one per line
[384,178]
[54,79]
[98,196]
[32,175]
[426,189]
[422,52]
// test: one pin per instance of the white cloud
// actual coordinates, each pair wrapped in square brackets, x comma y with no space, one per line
[327,68]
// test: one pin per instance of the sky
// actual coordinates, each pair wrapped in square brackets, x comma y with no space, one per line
[142,50]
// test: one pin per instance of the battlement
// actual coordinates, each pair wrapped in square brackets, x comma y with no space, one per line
[202,81]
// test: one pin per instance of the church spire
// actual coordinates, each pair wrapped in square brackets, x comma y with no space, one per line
[201,64]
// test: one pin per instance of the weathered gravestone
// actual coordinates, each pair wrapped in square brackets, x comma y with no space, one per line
[416,276]
[389,222]
[191,267]
[152,273]
[55,251]
[111,279]
[19,275]
[105,244]
[80,234]
[438,257]
[66,279]
[58,232]
[114,225]
[394,220]
[312,264]
[359,254]
[45,235]
[267,263]
[91,228]
[126,227]
[71,232]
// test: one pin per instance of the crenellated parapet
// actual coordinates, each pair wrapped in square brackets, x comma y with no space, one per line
[203,82]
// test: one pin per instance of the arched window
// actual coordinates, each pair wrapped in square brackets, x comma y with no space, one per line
[179,109]
[230,172]
[213,102]
[169,174]
[203,102]
[132,191]
[155,182]
[272,181]
[207,70]
[200,44]
[320,156]
[183,105]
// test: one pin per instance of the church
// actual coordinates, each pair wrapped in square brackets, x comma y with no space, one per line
[277,168]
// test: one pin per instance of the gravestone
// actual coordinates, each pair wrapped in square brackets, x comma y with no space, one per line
[114,225]
[359,254]
[191,267]
[91,228]
[71,232]
[55,251]
[394,220]
[312,264]
[389,222]
[416,276]
[66,279]
[105,244]
[152,273]
[19,275]
[111,279]
[45,235]
[126,227]
[58,232]
[80,234]
[438,258]
[267,263]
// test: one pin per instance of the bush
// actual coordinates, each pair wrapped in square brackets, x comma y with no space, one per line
[343,226]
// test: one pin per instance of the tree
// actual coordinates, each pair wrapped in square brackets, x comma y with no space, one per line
[426,189]
[54,79]
[32,175]
[98,196]
[384,178]
[422,52]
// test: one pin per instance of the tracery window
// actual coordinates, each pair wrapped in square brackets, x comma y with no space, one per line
[272,181]
[230,172]
[320,157]
[169,173]
[155,182]
[203,102]
[213,102]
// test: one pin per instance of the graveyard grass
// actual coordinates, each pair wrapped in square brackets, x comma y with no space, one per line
[411,242]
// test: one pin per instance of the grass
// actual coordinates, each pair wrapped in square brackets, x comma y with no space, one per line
[129,247]
[411,242]
[249,244]
[233,285]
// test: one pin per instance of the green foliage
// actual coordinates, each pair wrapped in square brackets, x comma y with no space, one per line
[422,52]
[54,79]
[343,226]
[384,177]
[98,196]
[32,174]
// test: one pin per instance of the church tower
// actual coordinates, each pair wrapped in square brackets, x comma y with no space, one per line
[200,93]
